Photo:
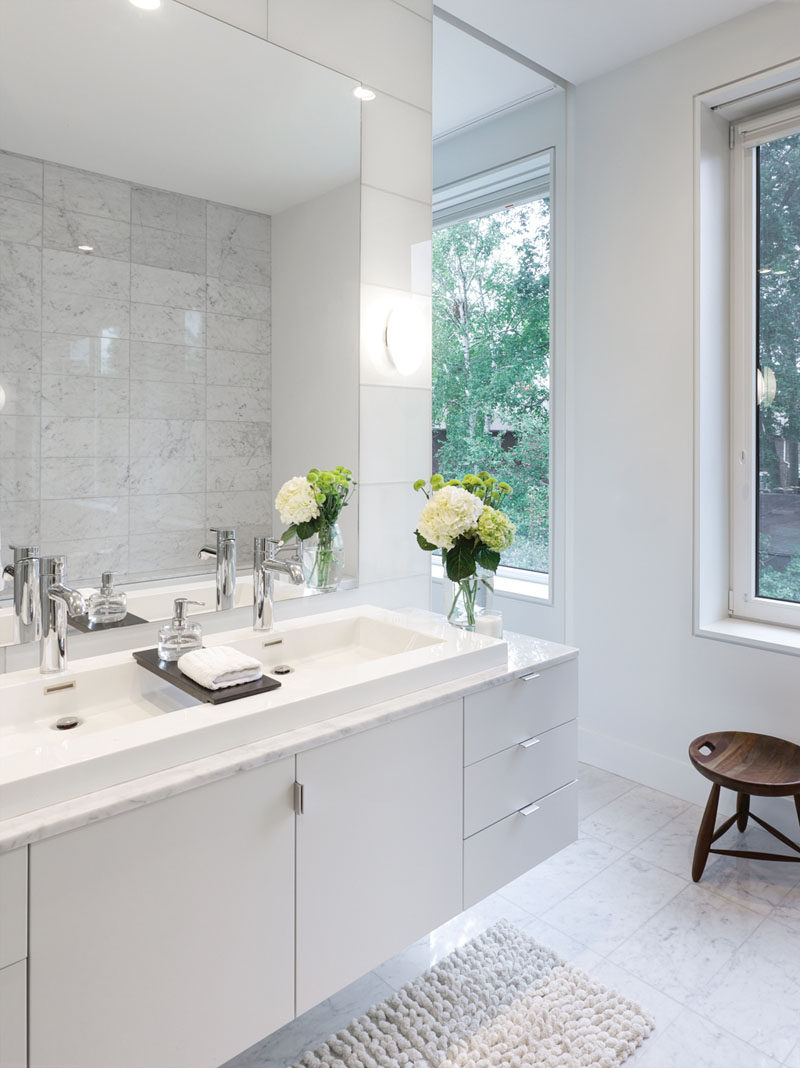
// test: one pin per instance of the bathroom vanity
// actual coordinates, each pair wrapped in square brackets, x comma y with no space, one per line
[177,917]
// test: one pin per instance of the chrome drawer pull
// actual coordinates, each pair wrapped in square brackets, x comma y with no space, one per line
[528,810]
[531,677]
[529,742]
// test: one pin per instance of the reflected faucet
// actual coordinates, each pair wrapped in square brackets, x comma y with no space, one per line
[27,602]
[225,553]
[58,603]
[265,567]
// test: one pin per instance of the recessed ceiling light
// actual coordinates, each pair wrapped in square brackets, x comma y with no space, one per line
[362,93]
[85,248]
[147,5]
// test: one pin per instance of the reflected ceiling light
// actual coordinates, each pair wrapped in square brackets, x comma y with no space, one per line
[405,339]
[147,5]
[362,93]
[85,248]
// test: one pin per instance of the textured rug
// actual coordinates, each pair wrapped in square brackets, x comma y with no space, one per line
[501,1001]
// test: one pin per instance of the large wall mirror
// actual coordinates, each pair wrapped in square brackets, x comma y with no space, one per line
[179,249]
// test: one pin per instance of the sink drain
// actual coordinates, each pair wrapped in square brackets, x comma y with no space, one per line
[66,723]
[282,669]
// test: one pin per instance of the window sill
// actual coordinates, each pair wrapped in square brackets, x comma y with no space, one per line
[769,636]
[522,589]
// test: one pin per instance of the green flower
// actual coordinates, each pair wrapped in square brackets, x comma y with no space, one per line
[495,529]
[504,487]
[419,483]
[437,482]
[312,477]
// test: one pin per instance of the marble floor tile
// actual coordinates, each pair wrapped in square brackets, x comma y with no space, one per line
[628,820]
[693,1041]
[686,943]
[756,995]
[288,1044]
[606,910]
[664,1009]
[672,846]
[550,882]
[788,912]
[759,884]
[567,947]
[598,788]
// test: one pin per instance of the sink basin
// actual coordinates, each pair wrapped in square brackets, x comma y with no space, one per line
[132,722]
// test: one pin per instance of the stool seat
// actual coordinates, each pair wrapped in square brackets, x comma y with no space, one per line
[749,763]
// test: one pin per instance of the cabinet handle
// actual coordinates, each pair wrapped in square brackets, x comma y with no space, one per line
[529,742]
[299,798]
[528,810]
[531,677]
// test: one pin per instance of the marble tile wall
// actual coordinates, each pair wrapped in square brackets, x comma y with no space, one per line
[137,376]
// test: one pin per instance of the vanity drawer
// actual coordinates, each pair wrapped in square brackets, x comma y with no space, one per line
[506,850]
[508,781]
[506,715]
[13,1016]
[13,906]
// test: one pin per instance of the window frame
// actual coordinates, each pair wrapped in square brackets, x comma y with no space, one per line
[747,135]
[523,180]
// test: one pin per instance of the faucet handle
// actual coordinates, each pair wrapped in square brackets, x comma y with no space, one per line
[24,552]
[224,533]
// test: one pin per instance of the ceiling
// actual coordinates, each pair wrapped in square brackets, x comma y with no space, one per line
[169,98]
[575,39]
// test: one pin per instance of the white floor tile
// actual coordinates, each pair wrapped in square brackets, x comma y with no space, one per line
[609,908]
[598,788]
[632,817]
[692,1042]
[548,883]
[672,846]
[567,947]
[759,884]
[685,944]
[662,1008]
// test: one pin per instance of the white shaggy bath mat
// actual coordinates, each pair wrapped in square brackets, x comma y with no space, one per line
[501,1001]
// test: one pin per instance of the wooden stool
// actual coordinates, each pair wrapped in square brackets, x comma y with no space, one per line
[750,764]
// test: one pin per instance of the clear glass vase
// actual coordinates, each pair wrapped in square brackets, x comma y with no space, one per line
[469,598]
[323,558]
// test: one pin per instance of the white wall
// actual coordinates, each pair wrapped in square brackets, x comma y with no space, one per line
[387,44]
[648,686]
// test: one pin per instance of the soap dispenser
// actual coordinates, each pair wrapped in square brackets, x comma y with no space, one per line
[181,635]
[109,605]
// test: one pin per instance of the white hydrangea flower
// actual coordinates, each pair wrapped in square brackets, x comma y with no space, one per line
[297,501]
[450,512]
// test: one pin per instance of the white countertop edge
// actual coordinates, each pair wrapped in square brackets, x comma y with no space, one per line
[524,654]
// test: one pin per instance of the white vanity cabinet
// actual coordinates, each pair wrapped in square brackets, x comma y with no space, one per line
[521,765]
[13,951]
[165,935]
[378,846]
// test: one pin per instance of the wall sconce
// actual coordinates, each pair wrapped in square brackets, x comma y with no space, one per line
[404,339]
[766,386]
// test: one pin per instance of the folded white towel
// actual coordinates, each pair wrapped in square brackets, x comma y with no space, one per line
[219,667]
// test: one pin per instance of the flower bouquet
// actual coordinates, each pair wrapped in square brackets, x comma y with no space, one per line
[464,519]
[311,506]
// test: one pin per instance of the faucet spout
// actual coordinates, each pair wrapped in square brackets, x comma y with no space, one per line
[225,555]
[265,567]
[58,603]
[27,598]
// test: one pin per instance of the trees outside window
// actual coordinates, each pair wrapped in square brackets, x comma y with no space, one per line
[491,363]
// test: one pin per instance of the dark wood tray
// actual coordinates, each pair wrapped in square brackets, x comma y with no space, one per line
[169,670]
[83,623]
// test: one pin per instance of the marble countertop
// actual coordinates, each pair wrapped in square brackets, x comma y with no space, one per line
[524,654]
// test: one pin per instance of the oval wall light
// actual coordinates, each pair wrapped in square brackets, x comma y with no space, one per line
[362,93]
[405,339]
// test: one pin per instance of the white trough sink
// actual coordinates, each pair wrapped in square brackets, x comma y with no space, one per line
[133,723]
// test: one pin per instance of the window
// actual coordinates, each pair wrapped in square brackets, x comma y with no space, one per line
[766,374]
[491,343]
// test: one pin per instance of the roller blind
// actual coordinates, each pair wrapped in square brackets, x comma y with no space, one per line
[524,179]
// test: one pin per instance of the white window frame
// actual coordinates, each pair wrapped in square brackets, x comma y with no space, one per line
[747,136]
[513,184]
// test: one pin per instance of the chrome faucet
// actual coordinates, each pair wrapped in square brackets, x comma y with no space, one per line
[265,567]
[27,602]
[58,602]
[225,552]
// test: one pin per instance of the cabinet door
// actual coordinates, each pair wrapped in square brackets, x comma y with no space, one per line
[13,1052]
[378,846]
[164,936]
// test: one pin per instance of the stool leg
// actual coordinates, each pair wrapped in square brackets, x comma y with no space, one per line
[743,811]
[706,833]
[797,805]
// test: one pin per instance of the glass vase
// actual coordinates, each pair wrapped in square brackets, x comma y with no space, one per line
[468,598]
[323,558]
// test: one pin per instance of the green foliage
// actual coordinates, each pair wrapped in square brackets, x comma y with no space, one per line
[491,346]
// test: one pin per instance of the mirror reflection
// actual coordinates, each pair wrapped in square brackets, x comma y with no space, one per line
[154,194]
